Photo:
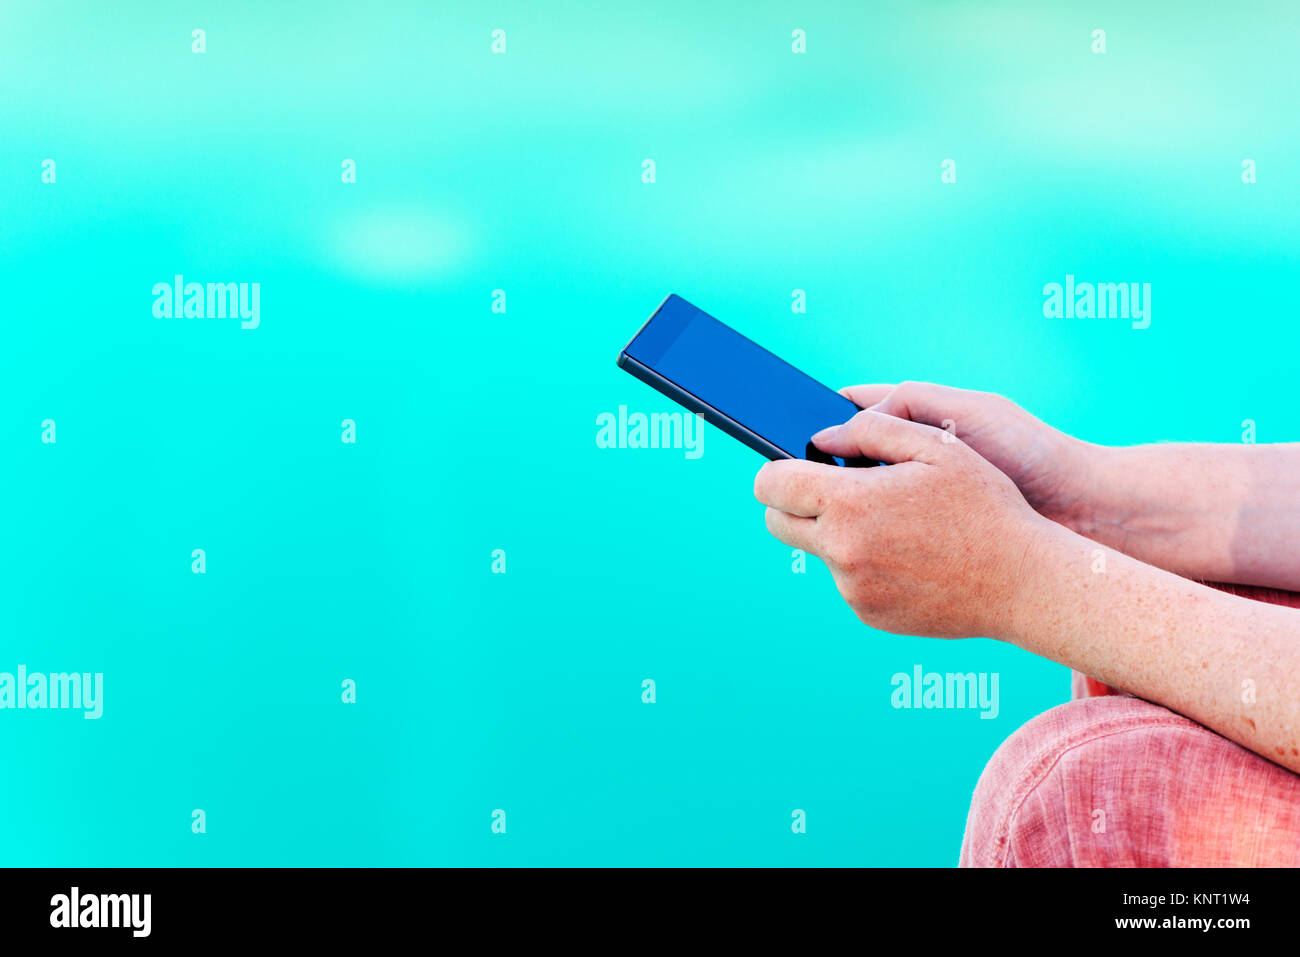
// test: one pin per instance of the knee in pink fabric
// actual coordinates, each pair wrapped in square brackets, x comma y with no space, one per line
[1118,781]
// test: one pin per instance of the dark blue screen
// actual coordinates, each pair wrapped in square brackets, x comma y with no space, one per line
[738,377]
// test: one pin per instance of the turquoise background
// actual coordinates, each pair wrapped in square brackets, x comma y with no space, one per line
[476,430]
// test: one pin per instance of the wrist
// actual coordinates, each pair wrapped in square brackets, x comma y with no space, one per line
[1095,505]
[1033,574]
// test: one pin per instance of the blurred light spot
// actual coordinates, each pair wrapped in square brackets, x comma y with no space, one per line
[398,244]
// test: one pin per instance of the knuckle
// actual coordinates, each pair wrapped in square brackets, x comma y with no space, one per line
[862,424]
[911,388]
[843,552]
[948,438]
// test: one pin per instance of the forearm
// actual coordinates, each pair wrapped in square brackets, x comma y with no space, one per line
[1230,663]
[1227,513]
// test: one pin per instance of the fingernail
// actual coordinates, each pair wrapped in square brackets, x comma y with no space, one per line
[825,433]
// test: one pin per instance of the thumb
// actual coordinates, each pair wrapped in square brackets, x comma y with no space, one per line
[878,435]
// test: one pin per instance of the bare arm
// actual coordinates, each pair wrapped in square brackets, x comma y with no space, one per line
[1230,663]
[1226,513]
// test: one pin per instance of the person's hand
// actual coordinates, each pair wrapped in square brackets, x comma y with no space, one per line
[937,544]
[1051,469]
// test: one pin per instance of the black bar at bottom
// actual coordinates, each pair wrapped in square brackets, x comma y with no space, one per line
[336,907]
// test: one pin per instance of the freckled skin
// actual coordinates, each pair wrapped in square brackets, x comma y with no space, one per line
[996,534]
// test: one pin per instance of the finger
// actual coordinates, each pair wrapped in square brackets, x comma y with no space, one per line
[878,435]
[795,531]
[924,402]
[866,396]
[794,486]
